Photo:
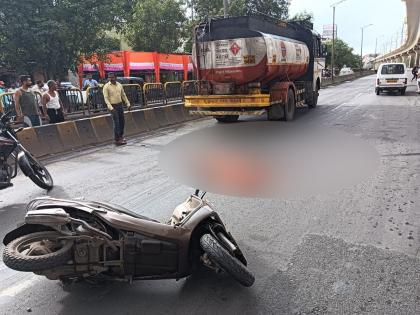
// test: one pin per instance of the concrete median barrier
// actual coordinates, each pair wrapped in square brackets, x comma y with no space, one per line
[130,124]
[86,132]
[140,120]
[179,113]
[49,138]
[103,128]
[151,120]
[161,117]
[69,135]
[29,139]
[170,115]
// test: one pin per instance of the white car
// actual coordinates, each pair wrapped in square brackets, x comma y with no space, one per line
[346,71]
[391,77]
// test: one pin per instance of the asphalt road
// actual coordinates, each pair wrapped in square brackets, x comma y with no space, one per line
[355,251]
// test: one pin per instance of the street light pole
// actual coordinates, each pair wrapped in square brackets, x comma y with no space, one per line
[333,39]
[361,47]
[332,51]
[225,8]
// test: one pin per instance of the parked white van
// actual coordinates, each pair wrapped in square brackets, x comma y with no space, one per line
[391,77]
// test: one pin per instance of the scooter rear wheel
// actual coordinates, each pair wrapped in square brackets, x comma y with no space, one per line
[219,255]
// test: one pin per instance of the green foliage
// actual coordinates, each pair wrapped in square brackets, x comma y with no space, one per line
[156,25]
[343,55]
[51,35]
[304,16]
[210,8]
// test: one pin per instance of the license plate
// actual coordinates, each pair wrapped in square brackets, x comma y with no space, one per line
[391,81]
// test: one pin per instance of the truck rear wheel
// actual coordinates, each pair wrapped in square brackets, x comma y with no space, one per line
[290,108]
[313,101]
[275,112]
[227,118]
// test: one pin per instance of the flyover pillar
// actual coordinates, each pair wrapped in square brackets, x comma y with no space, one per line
[412,60]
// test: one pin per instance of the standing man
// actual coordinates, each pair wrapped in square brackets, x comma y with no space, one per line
[90,82]
[27,110]
[51,100]
[39,89]
[414,73]
[114,96]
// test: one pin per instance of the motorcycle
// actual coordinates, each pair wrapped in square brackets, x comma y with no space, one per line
[72,240]
[12,154]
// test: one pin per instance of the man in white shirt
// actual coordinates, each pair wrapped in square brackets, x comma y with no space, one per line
[39,89]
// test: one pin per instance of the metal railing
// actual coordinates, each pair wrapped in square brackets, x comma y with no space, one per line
[154,93]
[173,91]
[91,102]
[73,101]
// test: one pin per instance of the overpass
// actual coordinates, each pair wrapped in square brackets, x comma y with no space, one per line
[409,52]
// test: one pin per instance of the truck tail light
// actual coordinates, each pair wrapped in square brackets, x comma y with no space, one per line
[405,81]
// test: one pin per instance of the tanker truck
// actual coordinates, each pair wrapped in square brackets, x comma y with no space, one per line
[253,65]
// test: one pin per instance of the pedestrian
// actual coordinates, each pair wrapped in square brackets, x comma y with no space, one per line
[39,89]
[51,100]
[418,84]
[90,82]
[2,87]
[414,72]
[114,96]
[26,107]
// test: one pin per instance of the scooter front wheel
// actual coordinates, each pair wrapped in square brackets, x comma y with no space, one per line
[220,256]
[37,251]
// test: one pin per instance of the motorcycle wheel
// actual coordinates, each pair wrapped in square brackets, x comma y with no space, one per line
[226,261]
[37,251]
[40,175]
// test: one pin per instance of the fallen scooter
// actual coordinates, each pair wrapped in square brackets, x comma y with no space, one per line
[72,240]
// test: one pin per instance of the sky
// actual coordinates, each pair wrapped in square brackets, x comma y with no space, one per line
[387,17]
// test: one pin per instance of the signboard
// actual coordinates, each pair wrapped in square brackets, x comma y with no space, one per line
[328,31]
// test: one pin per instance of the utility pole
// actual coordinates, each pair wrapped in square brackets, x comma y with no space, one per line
[361,47]
[333,51]
[225,8]
[333,39]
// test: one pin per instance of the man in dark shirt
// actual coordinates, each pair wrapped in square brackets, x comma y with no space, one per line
[26,104]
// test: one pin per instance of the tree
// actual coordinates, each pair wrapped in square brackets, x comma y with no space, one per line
[343,55]
[51,35]
[210,8]
[156,25]
[278,9]
[202,9]
[304,16]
